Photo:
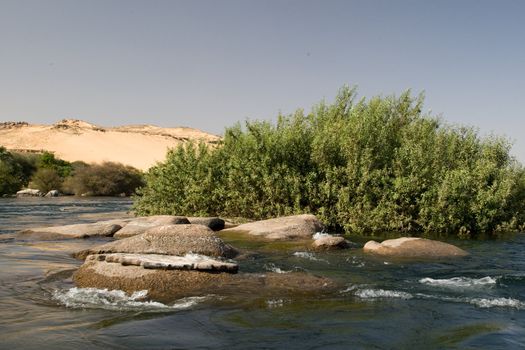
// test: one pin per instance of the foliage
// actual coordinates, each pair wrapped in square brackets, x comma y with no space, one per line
[62,167]
[366,166]
[46,179]
[107,179]
[11,175]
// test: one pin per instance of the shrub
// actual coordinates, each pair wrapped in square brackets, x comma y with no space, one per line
[46,179]
[107,179]
[365,167]
[11,175]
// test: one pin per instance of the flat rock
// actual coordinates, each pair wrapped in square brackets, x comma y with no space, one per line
[168,262]
[97,229]
[168,285]
[412,247]
[29,193]
[287,227]
[168,240]
[215,223]
[140,225]
[329,242]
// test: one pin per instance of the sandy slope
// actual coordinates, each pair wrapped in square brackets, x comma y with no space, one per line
[138,145]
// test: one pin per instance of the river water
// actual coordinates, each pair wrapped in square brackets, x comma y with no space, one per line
[476,302]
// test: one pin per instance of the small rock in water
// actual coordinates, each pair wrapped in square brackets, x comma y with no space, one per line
[411,247]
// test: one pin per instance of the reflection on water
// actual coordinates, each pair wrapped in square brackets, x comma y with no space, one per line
[476,302]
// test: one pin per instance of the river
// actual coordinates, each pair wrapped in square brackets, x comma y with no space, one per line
[475,302]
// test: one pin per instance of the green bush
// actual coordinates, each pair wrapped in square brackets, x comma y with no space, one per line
[364,167]
[107,179]
[46,179]
[11,173]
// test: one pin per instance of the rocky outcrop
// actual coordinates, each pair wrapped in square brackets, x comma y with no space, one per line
[29,193]
[97,229]
[168,285]
[283,228]
[140,225]
[168,240]
[216,224]
[330,242]
[411,247]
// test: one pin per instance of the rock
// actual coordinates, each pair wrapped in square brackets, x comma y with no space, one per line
[216,224]
[29,193]
[169,285]
[288,227]
[97,229]
[140,225]
[168,262]
[168,240]
[411,247]
[328,242]
[52,193]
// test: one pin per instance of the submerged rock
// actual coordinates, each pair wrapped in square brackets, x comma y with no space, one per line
[412,247]
[140,225]
[288,227]
[97,229]
[330,242]
[215,223]
[168,240]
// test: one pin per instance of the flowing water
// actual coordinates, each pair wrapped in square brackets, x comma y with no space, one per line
[476,302]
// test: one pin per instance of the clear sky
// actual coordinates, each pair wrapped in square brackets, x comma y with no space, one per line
[208,64]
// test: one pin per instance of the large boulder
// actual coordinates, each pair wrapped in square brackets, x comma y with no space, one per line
[140,225]
[168,240]
[412,247]
[97,229]
[168,285]
[29,193]
[287,227]
[216,224]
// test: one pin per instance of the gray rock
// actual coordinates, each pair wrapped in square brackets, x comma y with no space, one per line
[329,242]
[97,229]
[288,227]
[140,225]
[168,240]
[29,193]
[52,193]
[411,247]
[215,223]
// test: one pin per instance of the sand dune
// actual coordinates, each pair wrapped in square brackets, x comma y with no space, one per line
[140,146]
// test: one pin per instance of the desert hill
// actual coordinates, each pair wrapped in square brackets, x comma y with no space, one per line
[140,146]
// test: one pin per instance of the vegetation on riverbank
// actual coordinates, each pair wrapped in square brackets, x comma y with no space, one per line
[366,166]
[45,172]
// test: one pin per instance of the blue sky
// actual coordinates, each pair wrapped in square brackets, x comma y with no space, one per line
[208,64]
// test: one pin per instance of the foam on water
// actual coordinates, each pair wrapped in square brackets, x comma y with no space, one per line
[308,255]
[273,268]
[498,302]
[318,235]
[93,298]
[382,293]
[460,282]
